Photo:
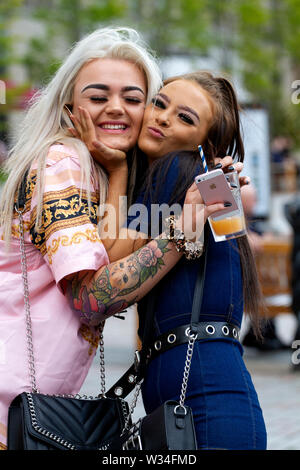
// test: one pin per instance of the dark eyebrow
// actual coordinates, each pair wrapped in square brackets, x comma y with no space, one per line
[132,88]
[101,86]
[190,110]
[98,86]
[185,108]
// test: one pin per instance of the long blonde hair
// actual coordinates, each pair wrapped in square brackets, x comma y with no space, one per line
[46,120]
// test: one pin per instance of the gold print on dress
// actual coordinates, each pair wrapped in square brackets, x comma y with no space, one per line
[63,209]
[65,240]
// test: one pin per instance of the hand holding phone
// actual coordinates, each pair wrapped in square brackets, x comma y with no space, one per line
[214,188]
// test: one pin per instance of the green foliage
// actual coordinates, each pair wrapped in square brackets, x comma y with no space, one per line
[7,12]
[65,22]
[263,34]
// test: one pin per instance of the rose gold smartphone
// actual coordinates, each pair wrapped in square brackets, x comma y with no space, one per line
[214,188]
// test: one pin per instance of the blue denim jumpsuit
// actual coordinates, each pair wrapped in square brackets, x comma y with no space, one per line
[226,410]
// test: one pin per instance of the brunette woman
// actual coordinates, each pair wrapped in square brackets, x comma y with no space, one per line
[189,110]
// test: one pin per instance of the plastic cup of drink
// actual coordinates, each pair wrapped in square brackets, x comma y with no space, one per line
[231,225]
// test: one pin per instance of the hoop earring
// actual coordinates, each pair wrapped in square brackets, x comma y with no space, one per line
[68,110]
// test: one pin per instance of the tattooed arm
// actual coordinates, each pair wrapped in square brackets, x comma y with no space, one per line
[98,295]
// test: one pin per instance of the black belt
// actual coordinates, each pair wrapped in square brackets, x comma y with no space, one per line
[180,335]
[166,341]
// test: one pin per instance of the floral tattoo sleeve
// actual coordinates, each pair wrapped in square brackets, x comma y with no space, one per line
[100,296]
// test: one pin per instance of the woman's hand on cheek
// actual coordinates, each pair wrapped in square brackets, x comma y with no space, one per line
[83,128]
[111,159]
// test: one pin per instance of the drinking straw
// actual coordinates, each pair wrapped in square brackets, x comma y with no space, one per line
[203,158]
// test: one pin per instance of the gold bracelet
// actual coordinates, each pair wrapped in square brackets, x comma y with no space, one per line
[191,250]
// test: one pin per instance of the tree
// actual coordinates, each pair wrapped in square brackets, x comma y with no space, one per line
[257,39]
[12,93]
[65,22]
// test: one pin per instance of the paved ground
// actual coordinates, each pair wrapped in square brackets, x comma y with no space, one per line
[277,386]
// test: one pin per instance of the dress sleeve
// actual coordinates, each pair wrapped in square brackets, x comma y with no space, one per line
[68,237]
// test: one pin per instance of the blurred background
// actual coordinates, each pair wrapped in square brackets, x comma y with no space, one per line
[256,43]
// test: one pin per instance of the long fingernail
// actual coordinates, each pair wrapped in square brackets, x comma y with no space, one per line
[230,168]
[227,204]
[219,165]
[233,185]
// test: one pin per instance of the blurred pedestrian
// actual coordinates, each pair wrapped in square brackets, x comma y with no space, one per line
[284,166]
[292,213]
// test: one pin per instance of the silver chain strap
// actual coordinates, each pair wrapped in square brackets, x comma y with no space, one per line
[102,362]
[187,368]
[132,407]
[31,361]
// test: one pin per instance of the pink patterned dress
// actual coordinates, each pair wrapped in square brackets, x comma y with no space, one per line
[68,242]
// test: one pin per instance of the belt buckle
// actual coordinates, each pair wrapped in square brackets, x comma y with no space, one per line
[133,443]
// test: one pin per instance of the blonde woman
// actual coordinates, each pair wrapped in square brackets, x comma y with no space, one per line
[72,286]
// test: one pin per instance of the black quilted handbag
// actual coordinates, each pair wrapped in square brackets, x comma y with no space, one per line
[47,422]
[57,422]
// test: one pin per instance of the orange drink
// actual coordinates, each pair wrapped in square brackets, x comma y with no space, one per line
[228,225]
[232,224]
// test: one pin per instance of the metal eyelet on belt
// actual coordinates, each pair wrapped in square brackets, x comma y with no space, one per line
[210,329]
[225,330]
[189,335]
[131,379]
[118,391]
[234,333]
[171,338]
[157,345]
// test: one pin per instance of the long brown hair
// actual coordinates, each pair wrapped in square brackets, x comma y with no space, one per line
[224,138]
